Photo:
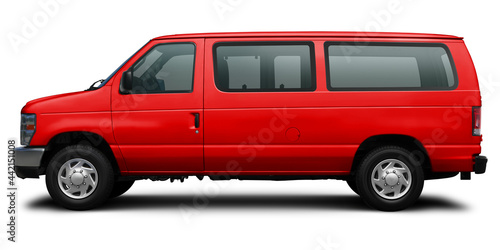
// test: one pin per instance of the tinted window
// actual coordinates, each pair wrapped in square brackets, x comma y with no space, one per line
[166,68]
[390,66]
[263,67]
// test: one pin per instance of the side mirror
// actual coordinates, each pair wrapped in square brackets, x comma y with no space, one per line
[126,82]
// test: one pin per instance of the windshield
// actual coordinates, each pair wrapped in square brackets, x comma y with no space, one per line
[116,70]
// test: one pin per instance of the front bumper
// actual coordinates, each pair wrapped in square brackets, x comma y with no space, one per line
[28,161]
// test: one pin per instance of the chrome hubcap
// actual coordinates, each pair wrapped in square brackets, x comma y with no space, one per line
[391,179]
[77,178]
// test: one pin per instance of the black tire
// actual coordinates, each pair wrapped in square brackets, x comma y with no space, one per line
[372,194]
[352,184]
[120,188]
[98,193]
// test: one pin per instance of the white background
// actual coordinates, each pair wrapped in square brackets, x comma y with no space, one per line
[72,44]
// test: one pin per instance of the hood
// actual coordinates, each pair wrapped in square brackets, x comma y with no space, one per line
[83,101]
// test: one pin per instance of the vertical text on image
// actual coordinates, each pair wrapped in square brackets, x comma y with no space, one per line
[11,193]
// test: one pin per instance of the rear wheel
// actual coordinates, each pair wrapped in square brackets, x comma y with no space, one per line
[389,179]
[79,177]
[120,188]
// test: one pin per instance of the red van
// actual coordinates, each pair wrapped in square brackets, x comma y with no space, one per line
[381,111]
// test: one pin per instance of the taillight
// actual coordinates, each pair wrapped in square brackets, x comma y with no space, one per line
[476,121]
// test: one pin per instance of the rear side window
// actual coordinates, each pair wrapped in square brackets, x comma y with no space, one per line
[389,66]
[264,66]
[166,68]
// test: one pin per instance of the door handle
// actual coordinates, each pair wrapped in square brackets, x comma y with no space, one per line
[196,120]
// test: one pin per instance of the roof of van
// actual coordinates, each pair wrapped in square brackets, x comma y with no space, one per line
[312,34]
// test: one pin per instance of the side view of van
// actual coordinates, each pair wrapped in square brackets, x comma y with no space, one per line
[382,111]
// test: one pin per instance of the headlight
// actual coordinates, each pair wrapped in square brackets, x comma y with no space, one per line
[28,125]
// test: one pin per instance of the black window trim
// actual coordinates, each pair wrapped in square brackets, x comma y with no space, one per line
[166,92]
[408,44]
[310,44]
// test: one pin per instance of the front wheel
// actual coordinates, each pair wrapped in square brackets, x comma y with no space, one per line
[79,177]
[390,179]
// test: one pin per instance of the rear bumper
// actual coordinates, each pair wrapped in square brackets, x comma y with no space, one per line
[28,161]
[480,164]
[479,167]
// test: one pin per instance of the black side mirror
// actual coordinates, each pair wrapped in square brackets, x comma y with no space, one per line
[126,82]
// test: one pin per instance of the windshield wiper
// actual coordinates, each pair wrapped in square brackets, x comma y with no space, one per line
[92,86]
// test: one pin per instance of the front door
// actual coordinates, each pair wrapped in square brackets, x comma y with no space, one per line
[158,125]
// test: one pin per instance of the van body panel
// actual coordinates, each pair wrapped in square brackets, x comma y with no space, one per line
[86,111]
[268,132]
[452,158]
[252,129]
[156,132]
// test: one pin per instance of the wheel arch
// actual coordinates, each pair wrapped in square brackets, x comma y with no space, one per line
[65,139]
[410,143]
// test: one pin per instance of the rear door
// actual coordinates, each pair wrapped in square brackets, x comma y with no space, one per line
[158,125]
